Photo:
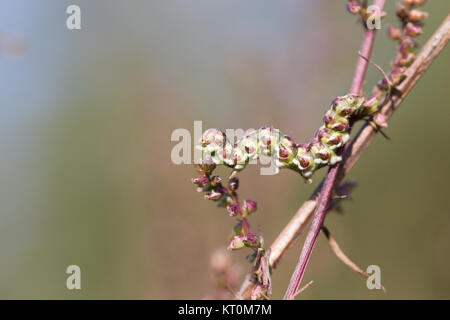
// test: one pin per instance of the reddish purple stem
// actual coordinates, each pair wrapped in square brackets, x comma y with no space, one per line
[328,186]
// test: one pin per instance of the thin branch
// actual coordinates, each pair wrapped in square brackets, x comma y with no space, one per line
[352,153]
[341,255]
[306,286]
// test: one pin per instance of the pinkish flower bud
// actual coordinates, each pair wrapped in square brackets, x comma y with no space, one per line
[237,242]
[419,2]
[214,195]
[417,15]
[201,181]
[408,2]
[233,184]
[249,206]
[353,6]
[412,30]
[233,209]
[380,120]
[251,240]
[394,33]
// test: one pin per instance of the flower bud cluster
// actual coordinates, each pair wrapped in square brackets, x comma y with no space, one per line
[411,20]
[303,158]
[214,190]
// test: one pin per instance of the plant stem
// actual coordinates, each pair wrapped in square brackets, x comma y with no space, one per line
[352,153]
[330,180]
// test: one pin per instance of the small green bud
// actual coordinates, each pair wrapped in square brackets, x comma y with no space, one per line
[370,106]
[322,154]
[304,159]
[329,137]
[336,122]
[287,150]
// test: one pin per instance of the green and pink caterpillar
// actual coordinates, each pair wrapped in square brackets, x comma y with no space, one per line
[303,158]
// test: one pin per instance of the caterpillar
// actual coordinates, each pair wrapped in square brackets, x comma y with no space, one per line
[303,158]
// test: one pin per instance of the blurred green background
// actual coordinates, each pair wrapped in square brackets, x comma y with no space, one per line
[85,123]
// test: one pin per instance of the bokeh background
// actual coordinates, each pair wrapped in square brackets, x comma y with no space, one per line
[85,124]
